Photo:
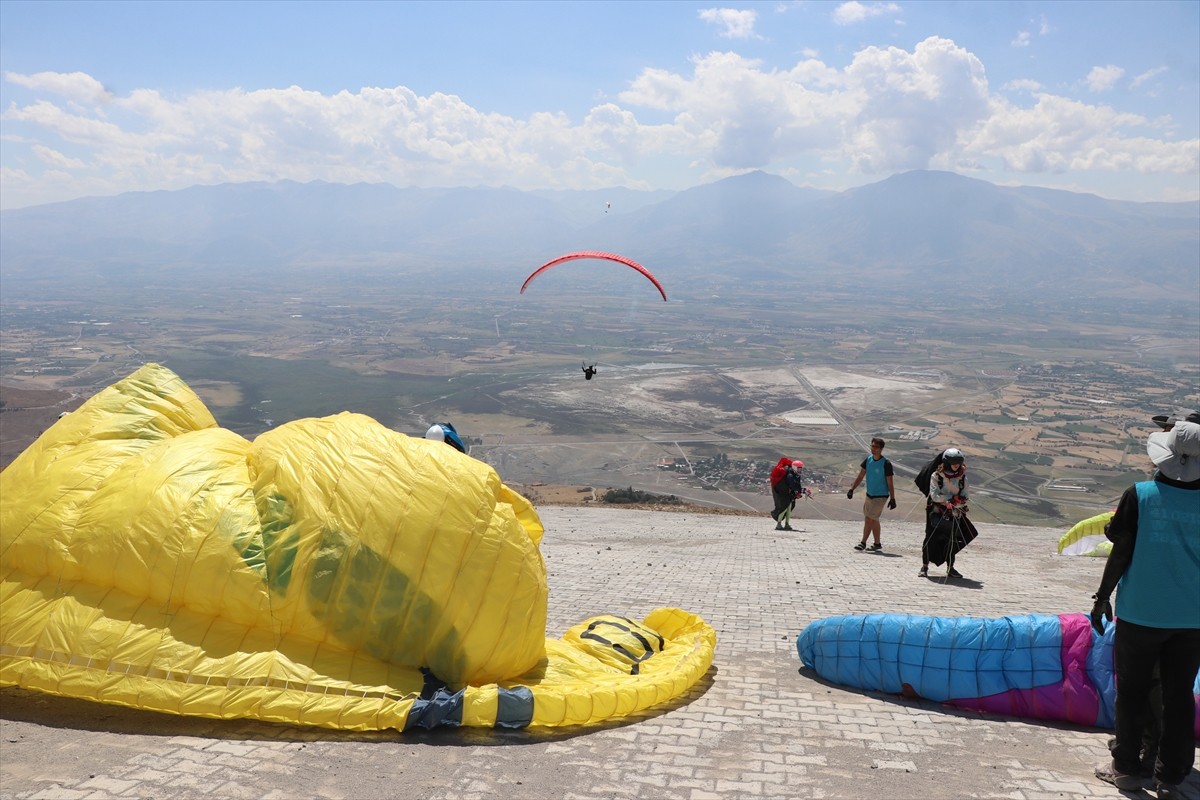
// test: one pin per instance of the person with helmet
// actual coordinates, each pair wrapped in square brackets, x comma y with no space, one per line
[785,487]
[444,432]
[880,489]
[946,512]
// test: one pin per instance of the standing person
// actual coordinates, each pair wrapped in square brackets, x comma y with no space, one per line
[880,489]
[947,529]
[1155,566]
[785,485]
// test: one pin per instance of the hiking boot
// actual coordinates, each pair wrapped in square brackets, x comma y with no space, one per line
[953,573]
[860,546]
[875,548]
[1110,774]
[1167,791]
[924,573]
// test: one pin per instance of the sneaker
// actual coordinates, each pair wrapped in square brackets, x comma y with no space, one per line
[1109,774]
[779,526]
[788,528]
[875,548]
[1167,791]
[953,573]
[924,573]
[860,546]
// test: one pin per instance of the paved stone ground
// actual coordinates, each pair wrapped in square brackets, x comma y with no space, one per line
[758,726]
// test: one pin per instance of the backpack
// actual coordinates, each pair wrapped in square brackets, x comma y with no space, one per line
[926,474]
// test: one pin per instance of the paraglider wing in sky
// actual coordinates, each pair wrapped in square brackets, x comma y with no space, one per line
[600,256]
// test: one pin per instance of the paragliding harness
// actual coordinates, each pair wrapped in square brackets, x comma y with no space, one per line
[588,372]
[946,530]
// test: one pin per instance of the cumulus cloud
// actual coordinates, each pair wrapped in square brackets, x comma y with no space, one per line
[76,86]
[734,23]
[853,12]
[1058,134]
[889,109]
[1101,79]
[1022,40]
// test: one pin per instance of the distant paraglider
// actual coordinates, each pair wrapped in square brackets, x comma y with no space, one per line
[588,372]
[600,256]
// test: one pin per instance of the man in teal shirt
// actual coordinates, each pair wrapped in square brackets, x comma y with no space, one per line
[880,489]
[1155,566]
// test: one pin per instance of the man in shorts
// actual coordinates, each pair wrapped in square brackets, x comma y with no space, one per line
[880,491]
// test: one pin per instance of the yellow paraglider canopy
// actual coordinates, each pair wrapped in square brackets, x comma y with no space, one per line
[332,572]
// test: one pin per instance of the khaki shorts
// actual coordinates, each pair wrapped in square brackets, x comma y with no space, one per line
[873,507]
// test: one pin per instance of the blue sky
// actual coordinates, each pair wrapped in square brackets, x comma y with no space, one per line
[99,98]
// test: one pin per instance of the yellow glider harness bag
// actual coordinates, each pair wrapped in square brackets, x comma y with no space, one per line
[333,573]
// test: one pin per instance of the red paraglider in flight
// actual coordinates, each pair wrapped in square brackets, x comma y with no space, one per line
[602,256]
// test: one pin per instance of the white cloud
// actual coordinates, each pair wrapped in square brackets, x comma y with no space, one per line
[75,86]
[853,12]
[1148,75]
[1101,79]
[1022,85]
[1058,135]
[1022,39]
[54,158]
[889,109]
[735,24]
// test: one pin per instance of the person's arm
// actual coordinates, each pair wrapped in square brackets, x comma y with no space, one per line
[891,491]
[1123,533]
[861,474]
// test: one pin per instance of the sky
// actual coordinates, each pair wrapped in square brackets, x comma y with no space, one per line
[100,98]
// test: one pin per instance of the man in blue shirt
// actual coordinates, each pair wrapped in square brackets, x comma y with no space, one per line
[1155,565]
[880,489]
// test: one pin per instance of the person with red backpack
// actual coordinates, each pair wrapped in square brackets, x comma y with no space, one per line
[786,486]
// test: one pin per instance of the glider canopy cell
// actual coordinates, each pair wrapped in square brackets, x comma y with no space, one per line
[595,255]
[1039,666]
[332,572]
[1086,538]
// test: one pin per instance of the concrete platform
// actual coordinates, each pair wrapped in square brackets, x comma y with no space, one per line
[759,726]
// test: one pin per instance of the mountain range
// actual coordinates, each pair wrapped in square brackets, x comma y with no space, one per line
[913,228]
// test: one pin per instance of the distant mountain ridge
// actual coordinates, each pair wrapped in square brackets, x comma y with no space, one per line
[916,226]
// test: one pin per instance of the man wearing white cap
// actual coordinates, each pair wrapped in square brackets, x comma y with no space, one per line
[1155,565]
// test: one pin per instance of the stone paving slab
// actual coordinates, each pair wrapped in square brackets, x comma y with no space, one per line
[757,726]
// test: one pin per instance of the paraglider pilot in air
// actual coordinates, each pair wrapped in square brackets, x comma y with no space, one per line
[588,372]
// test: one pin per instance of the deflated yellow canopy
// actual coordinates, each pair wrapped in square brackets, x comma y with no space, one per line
[333,572]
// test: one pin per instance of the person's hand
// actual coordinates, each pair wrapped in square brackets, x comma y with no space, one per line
[850,494]
[892,503]
[1101,610]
